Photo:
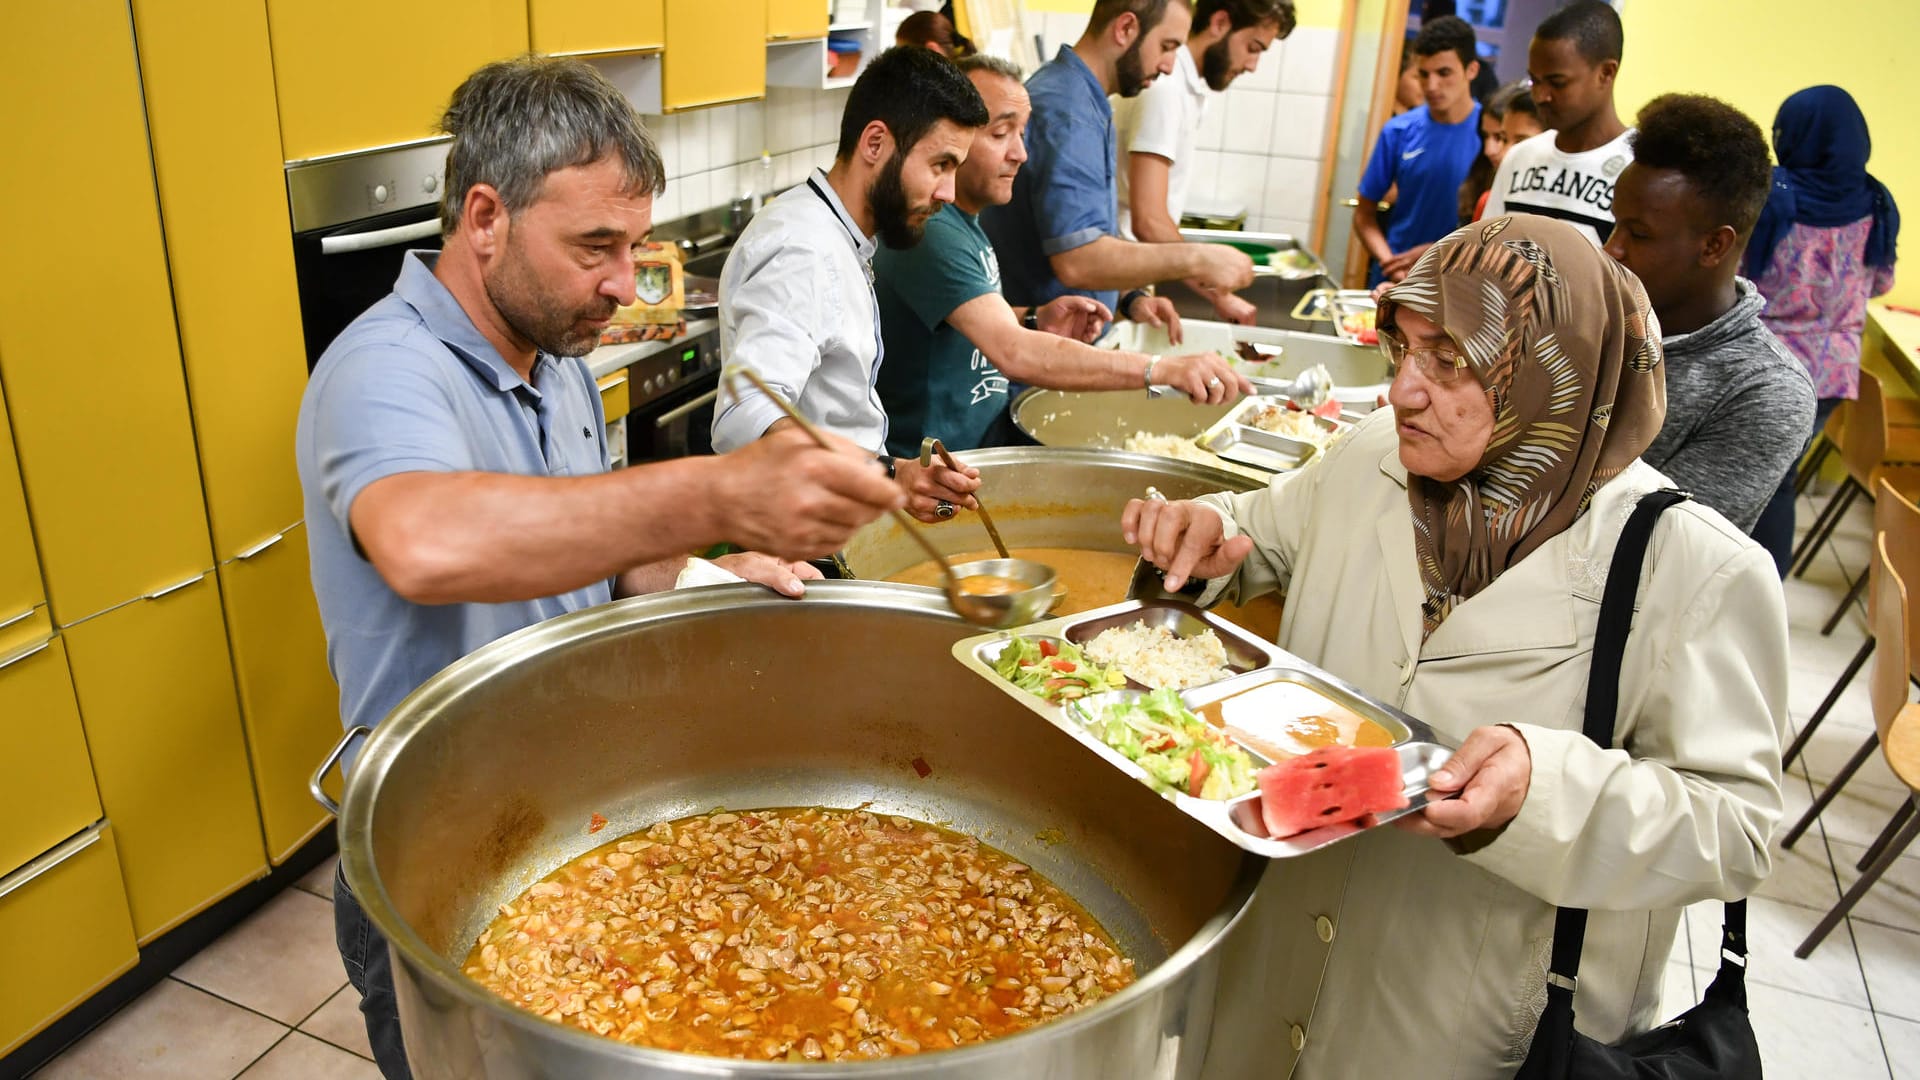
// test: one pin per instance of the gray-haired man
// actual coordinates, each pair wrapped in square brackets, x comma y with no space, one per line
[451,448]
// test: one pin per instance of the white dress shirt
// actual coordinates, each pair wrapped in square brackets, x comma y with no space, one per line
[797,306]
[1163,120]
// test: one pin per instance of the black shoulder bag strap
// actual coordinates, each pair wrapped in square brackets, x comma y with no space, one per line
[1603,707]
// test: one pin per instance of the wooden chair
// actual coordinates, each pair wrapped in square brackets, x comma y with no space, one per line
[1900,412]
[1897,517]
[1896,733]
[1867,444]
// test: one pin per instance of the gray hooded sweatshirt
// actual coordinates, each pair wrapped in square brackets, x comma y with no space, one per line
[1739,407]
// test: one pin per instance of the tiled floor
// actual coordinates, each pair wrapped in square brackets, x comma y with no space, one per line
[270,1000]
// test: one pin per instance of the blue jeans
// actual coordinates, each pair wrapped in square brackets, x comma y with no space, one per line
[370,969]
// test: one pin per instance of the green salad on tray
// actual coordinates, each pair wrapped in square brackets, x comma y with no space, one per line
[1179,751]
[1054,670]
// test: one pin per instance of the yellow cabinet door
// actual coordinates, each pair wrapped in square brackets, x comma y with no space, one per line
[588,27]
[46,780]
[156,696]
[788,20]
[88,349]
[20,591]
[716,53]
[287,697]
[223,199]
[356,74]
[64,931]
[616,394]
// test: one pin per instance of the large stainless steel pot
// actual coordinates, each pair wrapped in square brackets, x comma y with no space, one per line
[1044,496]
[484,780]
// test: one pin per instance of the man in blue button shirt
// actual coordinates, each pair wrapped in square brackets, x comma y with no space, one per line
[1060,233]
[451,448]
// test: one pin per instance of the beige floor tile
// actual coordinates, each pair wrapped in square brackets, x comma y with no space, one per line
[1802,876]
[319,880]
[1894,900]
[1856,815]
[1902,1040]
[339,1022]
[281,961]
[171,1032]
[1811,1038]
[1892,962]
[1774,930]
[1834,743]
[302,1057]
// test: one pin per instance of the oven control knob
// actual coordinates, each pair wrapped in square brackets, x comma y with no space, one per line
[647,386]
[673,376]
[430,184]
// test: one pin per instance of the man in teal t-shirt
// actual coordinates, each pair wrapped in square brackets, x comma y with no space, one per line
[954,346]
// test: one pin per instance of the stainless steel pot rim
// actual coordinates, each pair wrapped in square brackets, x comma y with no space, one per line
[380,749]
[1080,455]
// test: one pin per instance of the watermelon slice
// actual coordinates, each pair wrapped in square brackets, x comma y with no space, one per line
[1330,785]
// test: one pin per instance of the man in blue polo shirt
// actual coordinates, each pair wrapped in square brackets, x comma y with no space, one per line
[1424,154]
[451,450]
[1060,233]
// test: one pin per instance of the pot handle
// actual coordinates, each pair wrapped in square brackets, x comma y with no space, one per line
[333,757]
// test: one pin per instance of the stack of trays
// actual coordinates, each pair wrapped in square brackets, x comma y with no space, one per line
[1238,438]
[1257,704]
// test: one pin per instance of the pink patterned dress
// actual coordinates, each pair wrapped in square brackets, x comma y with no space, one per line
[1817,287]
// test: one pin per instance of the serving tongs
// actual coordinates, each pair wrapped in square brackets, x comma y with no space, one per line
[1309,389]
[995,611]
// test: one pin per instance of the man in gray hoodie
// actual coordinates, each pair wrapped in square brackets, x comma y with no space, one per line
[1739,405]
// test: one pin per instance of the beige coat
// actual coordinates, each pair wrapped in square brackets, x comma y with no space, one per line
[1438,963]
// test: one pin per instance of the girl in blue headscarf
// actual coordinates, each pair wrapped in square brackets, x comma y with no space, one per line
[1823,246]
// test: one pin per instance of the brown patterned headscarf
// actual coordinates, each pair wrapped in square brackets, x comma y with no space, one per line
[1566,345]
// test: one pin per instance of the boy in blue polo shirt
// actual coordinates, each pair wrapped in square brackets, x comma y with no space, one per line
[1425,153]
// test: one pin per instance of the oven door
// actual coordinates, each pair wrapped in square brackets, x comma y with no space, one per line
[663,428]
[344,269]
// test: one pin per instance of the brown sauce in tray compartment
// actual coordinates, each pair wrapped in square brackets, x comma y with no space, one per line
[797,934]
[1097,578]
[1281,719]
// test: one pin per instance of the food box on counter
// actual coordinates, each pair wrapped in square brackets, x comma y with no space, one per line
[1269,433]
[1258,705]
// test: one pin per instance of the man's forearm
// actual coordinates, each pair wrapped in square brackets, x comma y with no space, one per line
[478,537]
[1113,263]
[1366,225]
[1154,225]
[1052,362]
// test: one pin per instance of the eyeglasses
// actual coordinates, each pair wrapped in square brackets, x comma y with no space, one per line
[1438,366]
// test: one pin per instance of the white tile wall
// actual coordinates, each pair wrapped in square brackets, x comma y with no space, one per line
[709,152]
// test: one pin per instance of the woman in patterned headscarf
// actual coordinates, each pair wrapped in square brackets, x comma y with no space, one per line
[1447,557]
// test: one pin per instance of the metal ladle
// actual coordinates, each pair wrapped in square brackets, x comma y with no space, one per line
[995,611]
[931,446]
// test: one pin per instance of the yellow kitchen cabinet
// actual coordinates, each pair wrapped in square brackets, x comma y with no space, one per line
[716,53]
[156,697]
[64,921]
[789,20]
[223,199]
[590,27]
[356,74]
[20,592]
[88,349]
[287,697]
[46,781]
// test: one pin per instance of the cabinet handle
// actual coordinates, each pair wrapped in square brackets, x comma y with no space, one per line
[51,859]
[158,593]
[21,654]
[379,238]
[778,37]
[686,105]
[313,782]
[604,388]
[22,617]
[260,547]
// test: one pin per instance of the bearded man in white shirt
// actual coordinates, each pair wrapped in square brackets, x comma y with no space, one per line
[1158,128]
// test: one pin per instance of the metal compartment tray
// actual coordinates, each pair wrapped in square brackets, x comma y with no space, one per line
[1238,440]
[1253,662]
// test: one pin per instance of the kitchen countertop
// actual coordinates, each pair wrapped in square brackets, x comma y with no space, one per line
[610,358]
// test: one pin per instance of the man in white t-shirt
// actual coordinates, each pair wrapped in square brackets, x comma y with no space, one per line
[1568,172]
[1158,128]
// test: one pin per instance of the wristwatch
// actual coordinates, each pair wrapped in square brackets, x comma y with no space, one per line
[887,463]
[1032,319]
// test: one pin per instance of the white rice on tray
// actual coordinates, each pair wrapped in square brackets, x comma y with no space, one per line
[1185,449]
[1157,657]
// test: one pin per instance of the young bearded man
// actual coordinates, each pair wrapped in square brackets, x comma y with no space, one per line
[1425,153]
[1158,129]
[1060,233]
[797,301]
[1568,172]
[954,344]
[1739,405]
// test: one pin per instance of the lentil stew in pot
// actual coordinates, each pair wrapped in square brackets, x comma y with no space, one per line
[798,934]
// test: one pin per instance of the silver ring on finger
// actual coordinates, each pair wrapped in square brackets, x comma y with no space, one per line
[1214,382]
[942,509]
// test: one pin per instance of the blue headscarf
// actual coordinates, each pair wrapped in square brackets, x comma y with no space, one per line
[1820,138]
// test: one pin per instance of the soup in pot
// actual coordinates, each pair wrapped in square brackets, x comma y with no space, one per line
[799,934]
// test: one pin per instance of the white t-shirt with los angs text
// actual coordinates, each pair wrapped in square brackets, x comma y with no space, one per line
[1537,177]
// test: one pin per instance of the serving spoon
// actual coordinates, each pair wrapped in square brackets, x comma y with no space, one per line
[996,611]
